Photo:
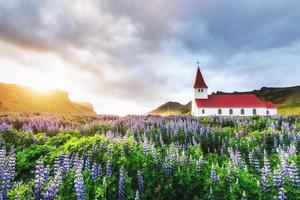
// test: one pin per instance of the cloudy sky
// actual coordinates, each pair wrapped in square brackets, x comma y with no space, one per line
[129,56]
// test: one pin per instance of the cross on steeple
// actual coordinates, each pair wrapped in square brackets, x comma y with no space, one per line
[198,63]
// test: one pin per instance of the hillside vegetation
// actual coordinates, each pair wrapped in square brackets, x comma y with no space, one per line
[287,100]
[16,98]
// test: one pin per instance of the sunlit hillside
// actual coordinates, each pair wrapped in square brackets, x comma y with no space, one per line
[15,98]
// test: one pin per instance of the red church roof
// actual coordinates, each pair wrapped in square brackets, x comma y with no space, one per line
[233,101]
[199,81]
[269,104]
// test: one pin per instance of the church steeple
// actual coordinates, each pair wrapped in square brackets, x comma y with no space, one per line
[200,87]
[199,81]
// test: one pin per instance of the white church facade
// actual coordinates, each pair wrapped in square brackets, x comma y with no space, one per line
[227,104]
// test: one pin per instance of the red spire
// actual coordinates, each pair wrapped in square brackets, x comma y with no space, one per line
[199,81]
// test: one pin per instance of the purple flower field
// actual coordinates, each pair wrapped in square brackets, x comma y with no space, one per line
[47,156]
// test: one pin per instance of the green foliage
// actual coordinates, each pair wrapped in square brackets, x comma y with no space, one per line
[21,190]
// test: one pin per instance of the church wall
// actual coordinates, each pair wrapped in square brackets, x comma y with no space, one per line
[272,111]
[236,111]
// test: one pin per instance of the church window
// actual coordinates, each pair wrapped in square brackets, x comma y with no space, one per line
[242,111]
[201,90]
[254,111]
[220,111]
[230,112]
[268,112]
[203,111]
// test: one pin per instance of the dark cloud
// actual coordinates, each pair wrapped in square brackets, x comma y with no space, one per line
[146,50]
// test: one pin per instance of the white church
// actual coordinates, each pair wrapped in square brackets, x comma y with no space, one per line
[227,104]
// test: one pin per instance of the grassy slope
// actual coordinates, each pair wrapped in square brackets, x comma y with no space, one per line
[287,100]
[15,98]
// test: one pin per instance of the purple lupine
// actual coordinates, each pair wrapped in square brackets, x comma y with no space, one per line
[87,162]
[265,183]
[79,185]
[51,191]
[4,127]
[266,168]
[265,174]
[200,163]
[11,164]
[256,165]
[213,174]
[39,179]
[154,154]
[250,156]
[46,173]
[108,168]
[122,152]
[137,195]
[228,177]
[283,163]
[293,174]
[121,190]
[167,168]
[277,178]
[96,170]
[140,181]
[282,194]
[57,165]
[66,165]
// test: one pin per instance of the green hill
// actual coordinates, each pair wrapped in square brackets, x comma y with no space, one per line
[287,100]
[16,98]
[172,108]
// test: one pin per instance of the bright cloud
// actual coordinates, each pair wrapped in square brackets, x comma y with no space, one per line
[127,57]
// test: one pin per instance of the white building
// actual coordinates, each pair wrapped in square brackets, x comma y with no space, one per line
[227,104]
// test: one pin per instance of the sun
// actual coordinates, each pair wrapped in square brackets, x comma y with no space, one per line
[41,88]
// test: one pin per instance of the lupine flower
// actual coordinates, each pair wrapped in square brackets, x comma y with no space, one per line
[282,194]
[277,178]
[283,163]
[87,162]
[108,168]
[213,174]
[79,185]
[265,182]
[4,127]
[66,164]
[46,173]
[230,171]
[191,160]
[39,179]
[11,166]
[96,170]
[293,174]
[244,197]
[200,163]
[122,184]
[256,165]
[52,191]
[211,194]
[250,156]
[266,167]
[140,181]
[137,196]
[167,169]
[57,164]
